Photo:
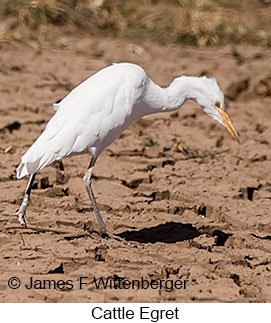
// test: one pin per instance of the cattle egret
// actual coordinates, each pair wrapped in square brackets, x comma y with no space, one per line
[97,111]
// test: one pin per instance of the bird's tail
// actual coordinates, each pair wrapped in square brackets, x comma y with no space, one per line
[36,157]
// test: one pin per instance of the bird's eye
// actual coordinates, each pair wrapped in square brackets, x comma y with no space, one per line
[217,104]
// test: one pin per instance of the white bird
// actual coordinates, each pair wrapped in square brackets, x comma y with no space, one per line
[97,111]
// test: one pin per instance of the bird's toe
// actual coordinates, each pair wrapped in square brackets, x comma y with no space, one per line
[23,220]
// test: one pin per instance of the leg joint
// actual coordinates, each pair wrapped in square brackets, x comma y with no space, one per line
[87,177]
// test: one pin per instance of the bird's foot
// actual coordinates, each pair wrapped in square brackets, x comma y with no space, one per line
[113,236]
[107,234]
[22,218]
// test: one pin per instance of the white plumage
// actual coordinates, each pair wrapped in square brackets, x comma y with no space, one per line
[98,110]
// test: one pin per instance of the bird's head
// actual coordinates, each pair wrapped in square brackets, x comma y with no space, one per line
[211,99]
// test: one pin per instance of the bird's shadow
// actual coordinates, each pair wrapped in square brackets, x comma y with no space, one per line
[170,232]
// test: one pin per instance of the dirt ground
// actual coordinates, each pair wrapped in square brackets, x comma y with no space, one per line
[200,213]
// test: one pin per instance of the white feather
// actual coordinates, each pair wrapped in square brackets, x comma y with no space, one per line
[98,110]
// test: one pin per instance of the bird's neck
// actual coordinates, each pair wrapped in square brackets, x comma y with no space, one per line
[174,96]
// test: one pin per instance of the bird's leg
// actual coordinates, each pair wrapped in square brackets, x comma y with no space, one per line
[87,181]
[21,213]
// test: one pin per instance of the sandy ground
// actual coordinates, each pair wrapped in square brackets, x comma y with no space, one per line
[199,214]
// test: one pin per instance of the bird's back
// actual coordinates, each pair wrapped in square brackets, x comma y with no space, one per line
[89,118]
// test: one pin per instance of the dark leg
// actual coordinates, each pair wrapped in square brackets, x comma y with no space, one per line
[87,181]
[21,213]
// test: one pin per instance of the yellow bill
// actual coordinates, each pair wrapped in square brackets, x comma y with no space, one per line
[227,122]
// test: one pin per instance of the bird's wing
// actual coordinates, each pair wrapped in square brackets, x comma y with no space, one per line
[93,115]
